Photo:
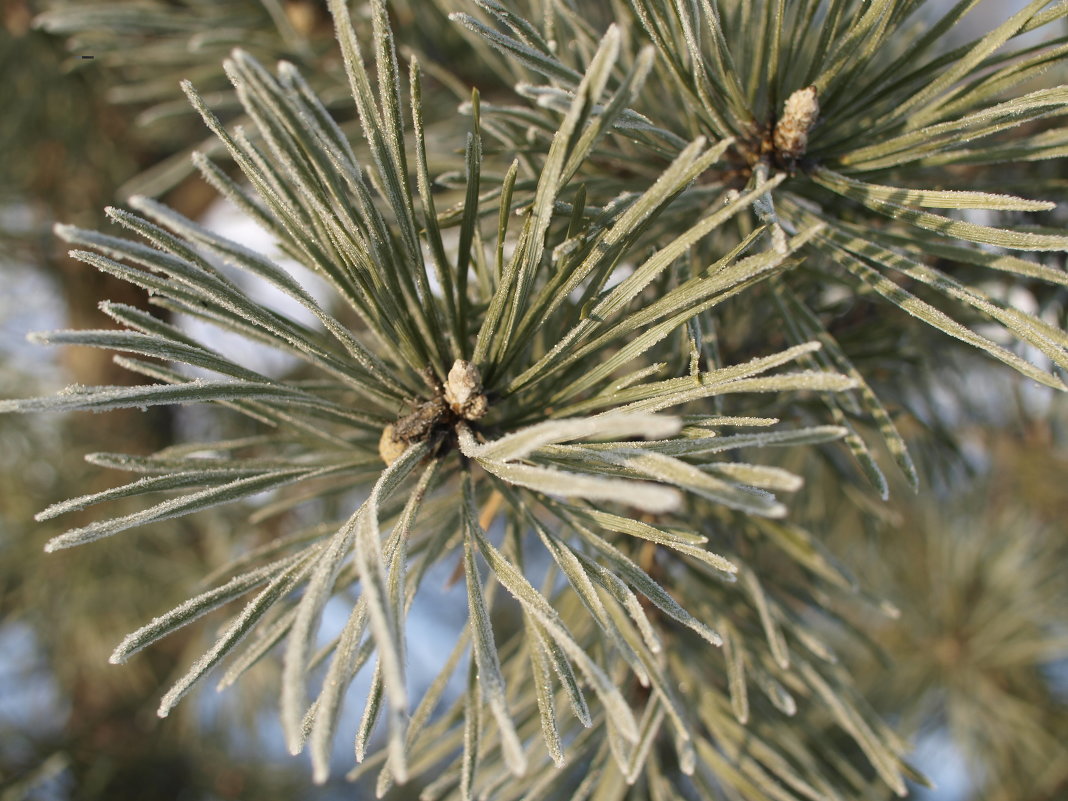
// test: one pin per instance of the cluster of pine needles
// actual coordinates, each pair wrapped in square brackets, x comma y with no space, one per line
[553,365]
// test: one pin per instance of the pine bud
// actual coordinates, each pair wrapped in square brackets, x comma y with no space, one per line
[463,391]
[390,447]
[799,115]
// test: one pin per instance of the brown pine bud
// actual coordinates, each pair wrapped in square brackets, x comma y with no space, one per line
[390,447]
[798,116]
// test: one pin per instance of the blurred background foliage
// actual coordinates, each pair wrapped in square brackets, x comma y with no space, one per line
[973,669]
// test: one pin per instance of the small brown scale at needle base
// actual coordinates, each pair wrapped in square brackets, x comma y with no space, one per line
[460,399]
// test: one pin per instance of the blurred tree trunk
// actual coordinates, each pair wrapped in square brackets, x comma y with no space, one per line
[75,150]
